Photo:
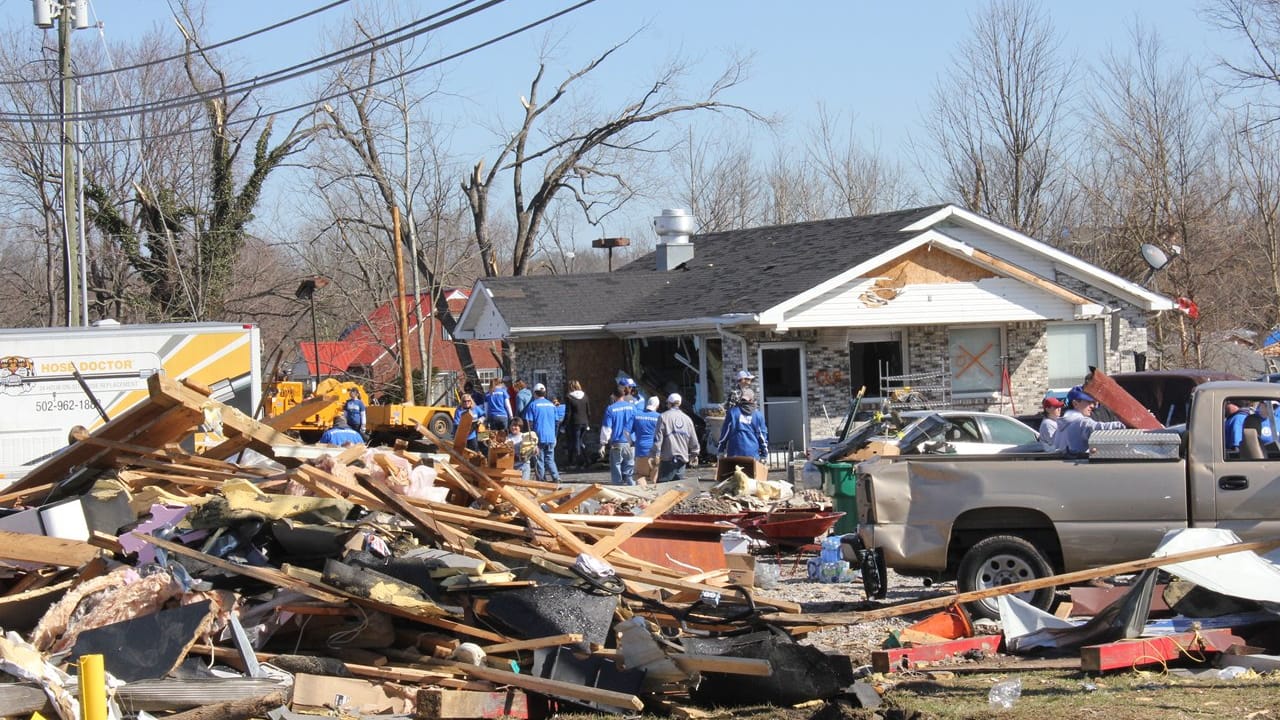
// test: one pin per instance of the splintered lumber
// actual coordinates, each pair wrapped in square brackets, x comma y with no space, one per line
[723,664]
[235,709]
[554,688]
[1127,654]
[151,423]
[461,433]
[524,552]
[583,495]
[45,550]
[534,512]
[445,704]
[662,504]
[454,478]
[259,436]
[937,603]
[534,644]
[897,659]
[426,524]
[391,673]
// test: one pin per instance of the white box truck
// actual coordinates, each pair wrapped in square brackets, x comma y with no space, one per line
[42,399]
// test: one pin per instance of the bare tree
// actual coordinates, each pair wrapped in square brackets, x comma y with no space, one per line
[995,125]
[391,156]
[1255,156]
[856,181]
[587,155]
[1257,22]
[1153,177]
[718,182]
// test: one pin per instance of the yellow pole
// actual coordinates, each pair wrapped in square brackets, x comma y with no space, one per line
[406,356]
[93,688]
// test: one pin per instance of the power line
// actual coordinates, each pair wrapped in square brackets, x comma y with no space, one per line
[336,95]
[307,67]
[184,55]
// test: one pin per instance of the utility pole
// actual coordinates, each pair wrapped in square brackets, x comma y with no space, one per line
[72,15]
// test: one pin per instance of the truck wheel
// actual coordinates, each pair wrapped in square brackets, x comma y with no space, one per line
[441,425]
[1003,560]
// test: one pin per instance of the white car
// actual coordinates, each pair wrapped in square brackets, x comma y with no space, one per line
[961,432]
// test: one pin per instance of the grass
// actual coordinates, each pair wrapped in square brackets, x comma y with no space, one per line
[1047,695]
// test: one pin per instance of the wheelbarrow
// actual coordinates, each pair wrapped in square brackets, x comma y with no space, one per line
[791,530]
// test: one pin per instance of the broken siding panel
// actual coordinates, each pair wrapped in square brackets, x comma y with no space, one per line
[991,300]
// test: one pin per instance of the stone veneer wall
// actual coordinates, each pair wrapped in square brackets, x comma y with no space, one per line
[545,355]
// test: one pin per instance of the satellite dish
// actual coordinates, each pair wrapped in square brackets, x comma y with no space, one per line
[1154,256]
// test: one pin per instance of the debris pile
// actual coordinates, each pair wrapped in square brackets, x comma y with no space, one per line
[357,582]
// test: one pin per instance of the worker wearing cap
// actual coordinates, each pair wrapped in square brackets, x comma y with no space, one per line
[744,379]
[340,434]
[1052,419]
[540,415]
[636,395]
[744,433]
[354,410]
[1078,424]
[644,428]
[675,444]
[615,439]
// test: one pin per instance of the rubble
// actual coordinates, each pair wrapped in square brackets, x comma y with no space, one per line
[261,575]
[358,581]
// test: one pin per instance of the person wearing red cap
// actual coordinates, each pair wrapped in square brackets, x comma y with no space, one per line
[1078,424]
[1052,416]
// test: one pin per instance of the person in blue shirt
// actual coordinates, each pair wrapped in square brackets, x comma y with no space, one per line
[354,410]
[540,415]
[644,429]
[744,433]
[635,395]
[616,434]
[340,434]
[1077,424]
[524,396]
[468,406]
[1233,427]
[497,407]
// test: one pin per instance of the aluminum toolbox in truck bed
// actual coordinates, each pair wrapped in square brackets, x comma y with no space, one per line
[1135,445]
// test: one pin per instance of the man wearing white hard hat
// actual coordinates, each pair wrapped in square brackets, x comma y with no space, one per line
[675,444]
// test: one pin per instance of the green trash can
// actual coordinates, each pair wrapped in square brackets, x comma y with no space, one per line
[841,484]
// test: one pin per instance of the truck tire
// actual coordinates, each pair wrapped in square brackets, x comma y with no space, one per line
[441,425]
[1003,560]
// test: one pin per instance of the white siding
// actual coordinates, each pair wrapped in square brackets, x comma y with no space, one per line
[1001,248]
[487,324]
[986,301]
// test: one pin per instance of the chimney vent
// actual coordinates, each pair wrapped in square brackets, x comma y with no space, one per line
[674,228]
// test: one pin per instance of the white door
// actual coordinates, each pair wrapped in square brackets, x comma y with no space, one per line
[782,382]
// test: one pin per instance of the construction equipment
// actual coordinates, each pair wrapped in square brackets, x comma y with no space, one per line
[383,423]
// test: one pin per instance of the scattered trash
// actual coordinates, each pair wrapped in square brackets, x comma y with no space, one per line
[1005,694]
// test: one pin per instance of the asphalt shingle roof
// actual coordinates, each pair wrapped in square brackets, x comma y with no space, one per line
[738,271]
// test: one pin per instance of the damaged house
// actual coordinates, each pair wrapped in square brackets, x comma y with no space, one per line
[960,309]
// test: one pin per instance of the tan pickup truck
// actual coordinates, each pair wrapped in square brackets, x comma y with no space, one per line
[993,520]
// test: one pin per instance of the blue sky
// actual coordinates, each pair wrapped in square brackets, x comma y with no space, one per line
[874,61]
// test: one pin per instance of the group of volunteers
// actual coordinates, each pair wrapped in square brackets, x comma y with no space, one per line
[641,444]
[1069,431]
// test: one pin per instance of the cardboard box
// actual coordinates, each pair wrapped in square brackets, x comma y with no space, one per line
[322,693]
[751,466]
[876,447]
[742,569]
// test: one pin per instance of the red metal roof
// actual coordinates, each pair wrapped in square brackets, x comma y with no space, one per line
[371,343]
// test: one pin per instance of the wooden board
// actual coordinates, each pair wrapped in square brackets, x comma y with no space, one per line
[447,704]
[45,550]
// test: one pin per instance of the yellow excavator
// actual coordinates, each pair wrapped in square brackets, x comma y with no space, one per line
[382,422]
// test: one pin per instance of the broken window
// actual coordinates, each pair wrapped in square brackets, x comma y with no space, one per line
[870,358]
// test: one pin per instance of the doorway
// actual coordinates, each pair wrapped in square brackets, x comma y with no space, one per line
[783,386]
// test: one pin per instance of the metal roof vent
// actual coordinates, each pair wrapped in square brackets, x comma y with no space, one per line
[674,228]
